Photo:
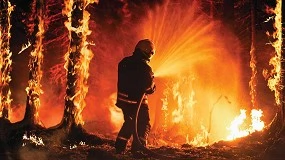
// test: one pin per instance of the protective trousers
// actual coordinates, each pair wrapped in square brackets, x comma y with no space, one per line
[128,129]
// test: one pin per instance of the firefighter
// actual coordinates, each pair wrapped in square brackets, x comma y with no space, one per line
[135,77]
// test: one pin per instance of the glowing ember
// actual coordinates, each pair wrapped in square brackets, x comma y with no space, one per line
[80,66]
[33,139]
[5,59]
[74,146]
[237,124]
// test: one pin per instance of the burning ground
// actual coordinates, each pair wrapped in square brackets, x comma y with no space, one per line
[214,83]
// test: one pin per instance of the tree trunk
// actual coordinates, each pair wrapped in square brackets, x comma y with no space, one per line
[77,63]
[278,124]
[283,65]
[72,61]
[5,59]
[35,67]
[253,79]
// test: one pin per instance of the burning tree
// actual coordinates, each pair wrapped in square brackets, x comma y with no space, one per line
[276,82]
[5,58]
[77,62]
[35,65]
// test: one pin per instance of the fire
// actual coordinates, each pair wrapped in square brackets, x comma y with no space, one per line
[80,67]
[185,103]
[237,124]
[116,113]
[24,47]
[274,82]
[200,139]
[5,60]
[35,66]
[190,57]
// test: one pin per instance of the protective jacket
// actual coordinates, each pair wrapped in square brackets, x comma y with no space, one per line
[135,77]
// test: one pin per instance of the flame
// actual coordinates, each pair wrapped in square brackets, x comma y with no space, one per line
[200,139]
[24,47]
[185,103]
[81,67]
[5,62]
[116,113]
[190,57]
[274,82]
[237,124]
[35,67]
[164,110]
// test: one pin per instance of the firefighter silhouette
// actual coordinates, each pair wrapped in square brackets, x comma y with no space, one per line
[135,83]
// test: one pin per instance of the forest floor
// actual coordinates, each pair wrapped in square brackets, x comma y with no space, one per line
[252,147]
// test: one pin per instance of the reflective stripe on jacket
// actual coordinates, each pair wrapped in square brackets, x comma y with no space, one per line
[135,77]
[125,98]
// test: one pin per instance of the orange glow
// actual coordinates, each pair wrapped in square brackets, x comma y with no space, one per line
[274,81]
[5,64]
[237,128]
[191,55]
[81,68]
[116,113]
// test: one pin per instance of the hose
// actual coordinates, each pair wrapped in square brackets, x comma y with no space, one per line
[145,149]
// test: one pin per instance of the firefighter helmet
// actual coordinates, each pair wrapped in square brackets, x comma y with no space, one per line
[147,47]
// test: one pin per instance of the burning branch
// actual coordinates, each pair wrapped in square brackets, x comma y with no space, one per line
[5,58]
[35,66]
[77,59]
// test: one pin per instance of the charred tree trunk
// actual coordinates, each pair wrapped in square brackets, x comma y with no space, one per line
[35,63]
[253,79]
[5,59]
